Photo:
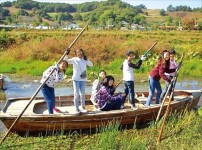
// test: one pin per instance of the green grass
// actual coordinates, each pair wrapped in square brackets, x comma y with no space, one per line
[182,131]
[32,68]
[191,68]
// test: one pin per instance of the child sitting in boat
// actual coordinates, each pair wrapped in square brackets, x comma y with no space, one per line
[48,88]
[97,84]
[105,100]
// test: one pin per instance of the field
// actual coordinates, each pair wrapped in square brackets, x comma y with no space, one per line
[30,52]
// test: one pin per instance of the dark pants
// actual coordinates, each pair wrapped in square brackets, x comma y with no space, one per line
[49,95]
[129,88]
[113,105]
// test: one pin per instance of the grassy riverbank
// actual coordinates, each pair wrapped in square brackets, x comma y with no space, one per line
[31,52]
[181,132]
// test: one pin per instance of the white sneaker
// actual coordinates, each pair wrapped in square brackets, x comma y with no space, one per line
[122,107]
[78,112]
[83,110]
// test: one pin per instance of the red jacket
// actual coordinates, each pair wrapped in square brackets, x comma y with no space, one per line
[158,72]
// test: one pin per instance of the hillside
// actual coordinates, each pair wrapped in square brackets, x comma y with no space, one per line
[155,17]
[105,14]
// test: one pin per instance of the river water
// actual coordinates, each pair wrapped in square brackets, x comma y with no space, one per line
[26,88]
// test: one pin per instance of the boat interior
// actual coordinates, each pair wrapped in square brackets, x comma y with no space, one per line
[66,105]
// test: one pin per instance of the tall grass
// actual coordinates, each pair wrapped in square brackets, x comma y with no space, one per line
[181,132]
[105,49]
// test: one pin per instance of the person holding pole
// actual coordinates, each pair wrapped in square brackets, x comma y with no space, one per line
[158,72]
[128,76]
[80,63]
[173,65]
[48,88]
[42,84]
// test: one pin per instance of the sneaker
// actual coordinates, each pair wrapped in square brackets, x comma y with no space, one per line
[83,110]
[132,106]
[56,110]
[146,106]
[78,112]
[122,107]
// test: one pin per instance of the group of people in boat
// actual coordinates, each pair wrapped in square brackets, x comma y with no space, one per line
[103,89]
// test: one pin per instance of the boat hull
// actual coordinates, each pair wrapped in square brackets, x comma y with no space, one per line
[94,119]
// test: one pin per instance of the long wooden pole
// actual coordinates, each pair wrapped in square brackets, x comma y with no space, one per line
[165,117]
[159,112]
[171,95]
[147,52]
[42,84]
[119,83]
[145,55]
[168,89]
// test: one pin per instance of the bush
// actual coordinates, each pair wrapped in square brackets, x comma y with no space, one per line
[5,40]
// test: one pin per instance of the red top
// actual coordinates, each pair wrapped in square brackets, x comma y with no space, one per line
[158,72]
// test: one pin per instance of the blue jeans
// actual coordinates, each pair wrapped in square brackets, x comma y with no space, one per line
[154,84]
[49,95]
[113,105]
[129,88]
[79,89]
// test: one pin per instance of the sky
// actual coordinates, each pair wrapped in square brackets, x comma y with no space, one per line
[150,4]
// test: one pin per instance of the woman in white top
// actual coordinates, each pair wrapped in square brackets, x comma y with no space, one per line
[80,64]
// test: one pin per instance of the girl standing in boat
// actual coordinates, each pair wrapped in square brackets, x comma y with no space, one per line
[173,65]
[156,74]
[80,64]
[106,101]
[48,88]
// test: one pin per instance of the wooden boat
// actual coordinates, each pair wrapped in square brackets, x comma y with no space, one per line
[37,119]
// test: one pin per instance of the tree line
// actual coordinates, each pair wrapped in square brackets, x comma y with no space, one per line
[110,12]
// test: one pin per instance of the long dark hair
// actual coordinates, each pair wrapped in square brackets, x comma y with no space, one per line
[79,49]
[106,81]
[161,61]
[64,61]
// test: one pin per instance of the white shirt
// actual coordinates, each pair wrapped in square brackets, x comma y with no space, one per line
[55,77]
[127,71]
[79,66]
